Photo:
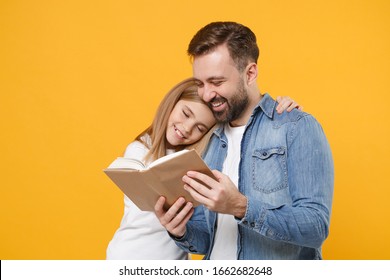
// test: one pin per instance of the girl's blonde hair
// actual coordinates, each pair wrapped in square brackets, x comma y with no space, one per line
[185,90]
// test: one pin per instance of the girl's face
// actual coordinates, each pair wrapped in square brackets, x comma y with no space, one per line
[188,122]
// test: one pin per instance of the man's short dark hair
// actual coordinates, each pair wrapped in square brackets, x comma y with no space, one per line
[239,39]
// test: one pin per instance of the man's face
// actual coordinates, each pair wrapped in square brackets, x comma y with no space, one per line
[220,84]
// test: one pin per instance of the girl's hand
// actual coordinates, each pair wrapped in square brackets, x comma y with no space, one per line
[175,218]
[286,103]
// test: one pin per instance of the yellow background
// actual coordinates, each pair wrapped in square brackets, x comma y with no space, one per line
[80,79]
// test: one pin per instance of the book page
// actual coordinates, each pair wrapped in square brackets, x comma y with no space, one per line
[168,157]
[126,163]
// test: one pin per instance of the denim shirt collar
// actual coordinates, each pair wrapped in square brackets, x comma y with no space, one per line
[267,105]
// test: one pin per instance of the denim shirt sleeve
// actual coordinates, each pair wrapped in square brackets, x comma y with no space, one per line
[304,222]
[196,240]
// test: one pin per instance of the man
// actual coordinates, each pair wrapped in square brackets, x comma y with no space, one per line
[273,198]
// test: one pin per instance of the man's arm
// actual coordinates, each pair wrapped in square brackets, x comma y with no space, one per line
[305,221]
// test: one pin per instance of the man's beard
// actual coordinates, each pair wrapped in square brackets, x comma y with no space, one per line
[235,107]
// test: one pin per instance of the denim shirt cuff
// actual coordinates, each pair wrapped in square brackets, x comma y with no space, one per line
[184,242]
[183,239]
[252,219]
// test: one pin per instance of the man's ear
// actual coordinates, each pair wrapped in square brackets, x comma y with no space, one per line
[251,73]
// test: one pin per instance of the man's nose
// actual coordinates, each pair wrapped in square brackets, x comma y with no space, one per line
[207,93]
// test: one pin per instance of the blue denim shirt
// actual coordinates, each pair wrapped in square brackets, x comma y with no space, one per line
[286,173]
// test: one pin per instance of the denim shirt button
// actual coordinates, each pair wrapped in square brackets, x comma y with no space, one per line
[265,154]
[223,145]
[252,224]
[245,222]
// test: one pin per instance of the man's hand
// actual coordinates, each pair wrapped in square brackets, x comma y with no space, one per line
[174,220]
[220,196]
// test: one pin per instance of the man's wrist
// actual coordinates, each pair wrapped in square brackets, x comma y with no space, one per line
[240,209]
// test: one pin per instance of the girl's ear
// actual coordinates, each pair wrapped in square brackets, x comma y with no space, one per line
[251,72]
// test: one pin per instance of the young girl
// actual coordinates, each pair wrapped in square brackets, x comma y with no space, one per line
[182,121]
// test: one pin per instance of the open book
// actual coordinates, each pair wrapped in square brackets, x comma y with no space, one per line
[163,177]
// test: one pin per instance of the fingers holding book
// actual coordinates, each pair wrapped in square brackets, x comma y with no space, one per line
[176,217]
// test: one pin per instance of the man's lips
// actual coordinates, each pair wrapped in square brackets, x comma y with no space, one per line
[218,105]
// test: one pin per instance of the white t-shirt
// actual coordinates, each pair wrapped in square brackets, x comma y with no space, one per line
[140,235]
[225,243]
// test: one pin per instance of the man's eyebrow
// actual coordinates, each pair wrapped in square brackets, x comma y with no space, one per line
[210,79]
[215,78]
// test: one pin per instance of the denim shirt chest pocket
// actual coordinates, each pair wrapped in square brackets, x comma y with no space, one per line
[269,175]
